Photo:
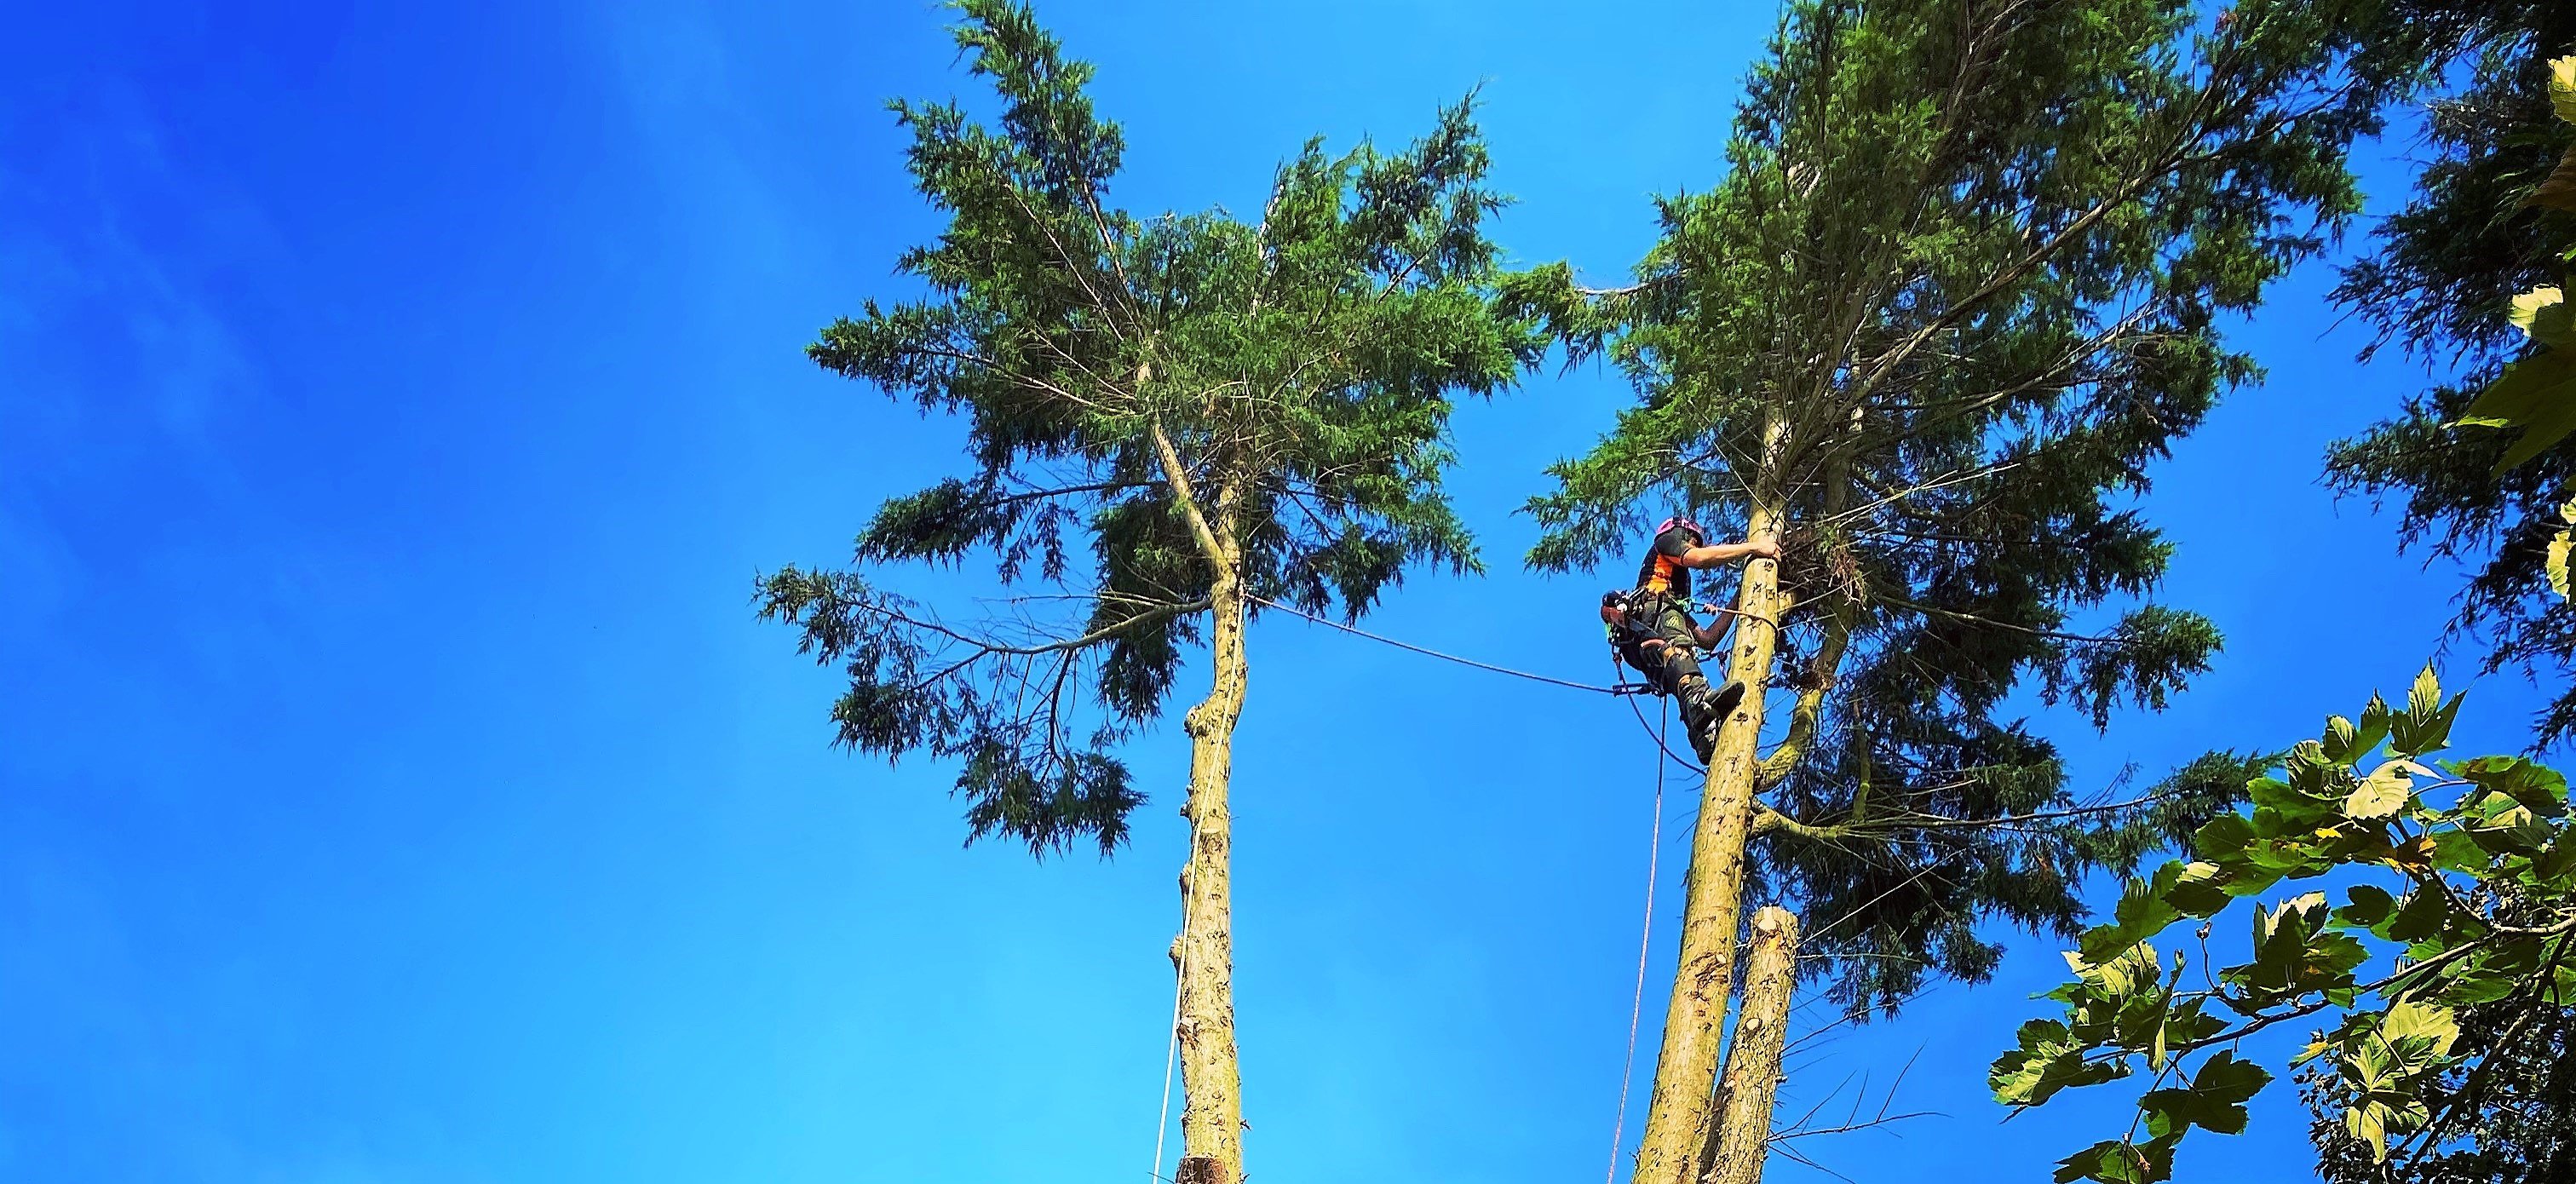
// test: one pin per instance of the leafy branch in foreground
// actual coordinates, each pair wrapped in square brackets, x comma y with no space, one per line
[2509,1116]
[2471,901]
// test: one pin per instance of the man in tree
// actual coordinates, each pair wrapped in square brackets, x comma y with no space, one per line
[1655,632]
[1957,292]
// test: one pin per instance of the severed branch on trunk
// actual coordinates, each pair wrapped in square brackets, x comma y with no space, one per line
[1750,1087]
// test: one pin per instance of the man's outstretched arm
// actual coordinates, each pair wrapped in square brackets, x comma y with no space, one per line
[1725,553]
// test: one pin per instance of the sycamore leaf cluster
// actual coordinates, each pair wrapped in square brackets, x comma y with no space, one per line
[2470,901]
[2486,222]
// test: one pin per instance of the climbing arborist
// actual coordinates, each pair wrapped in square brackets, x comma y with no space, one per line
[1652,626]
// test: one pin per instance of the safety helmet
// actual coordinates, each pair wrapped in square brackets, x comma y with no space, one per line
[1686,524]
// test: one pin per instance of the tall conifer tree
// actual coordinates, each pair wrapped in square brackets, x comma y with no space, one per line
[1172,421]
[2440,284]
[1958,290]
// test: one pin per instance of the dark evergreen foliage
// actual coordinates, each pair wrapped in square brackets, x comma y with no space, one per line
[1149,400]
[1956,294]
[2438,285]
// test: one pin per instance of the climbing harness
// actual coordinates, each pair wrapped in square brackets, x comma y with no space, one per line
[1652,630]
[1624,612]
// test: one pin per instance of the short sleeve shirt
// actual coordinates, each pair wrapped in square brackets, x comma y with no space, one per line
[1663,571]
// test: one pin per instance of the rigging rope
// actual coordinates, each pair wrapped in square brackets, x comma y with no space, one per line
[1622,687]
[1432,653]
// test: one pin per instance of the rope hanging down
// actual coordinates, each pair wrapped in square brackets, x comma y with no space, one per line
[1645,941]
[1172,1051]
[1654,850]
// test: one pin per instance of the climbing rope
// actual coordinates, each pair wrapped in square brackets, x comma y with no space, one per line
[1621,673]
[1654,853]
[1172,1051]
[1645,941]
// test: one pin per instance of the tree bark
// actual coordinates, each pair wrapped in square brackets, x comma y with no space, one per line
[1752,1084]
[1203,955]
[1677,1119]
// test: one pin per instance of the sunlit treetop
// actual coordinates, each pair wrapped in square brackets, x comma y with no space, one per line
[1957,292]
[1167,416]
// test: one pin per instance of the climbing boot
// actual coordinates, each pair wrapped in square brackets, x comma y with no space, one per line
[1703,730]
[1701,711]
[1704,710]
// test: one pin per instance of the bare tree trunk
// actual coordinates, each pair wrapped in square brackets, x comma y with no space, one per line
[1203,955]
[1752,1085]
[1677,1119]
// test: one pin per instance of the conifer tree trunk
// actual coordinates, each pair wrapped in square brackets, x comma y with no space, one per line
[1203,955]
[1301,368]
[1677,1119]
[1752,1084]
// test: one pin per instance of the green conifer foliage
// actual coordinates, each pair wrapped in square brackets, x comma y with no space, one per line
[1958,290]
[1172,420]
[2442,283]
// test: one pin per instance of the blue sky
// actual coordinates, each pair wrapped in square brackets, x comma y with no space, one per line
[395,404]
